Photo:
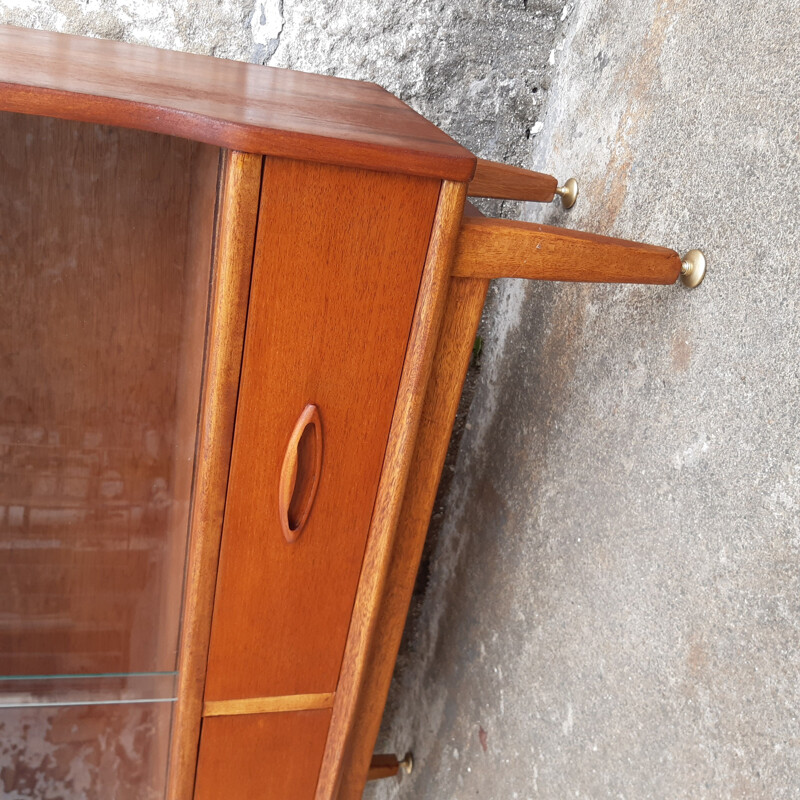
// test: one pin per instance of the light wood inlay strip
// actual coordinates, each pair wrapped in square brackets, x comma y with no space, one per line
[267,705]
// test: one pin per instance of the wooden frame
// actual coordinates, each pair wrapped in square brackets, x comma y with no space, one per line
[239,190]
[465,300]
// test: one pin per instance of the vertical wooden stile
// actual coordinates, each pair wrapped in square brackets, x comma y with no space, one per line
[237,212]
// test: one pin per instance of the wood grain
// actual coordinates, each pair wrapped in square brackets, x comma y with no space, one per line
[336,274]
[465,300]
[237,209]
[498,248]
[231,104]
[383,766]
[507,182]
[267,705]
[364,628]
[261,756]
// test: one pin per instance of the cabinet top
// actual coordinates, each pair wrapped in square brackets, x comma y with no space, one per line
[227,103]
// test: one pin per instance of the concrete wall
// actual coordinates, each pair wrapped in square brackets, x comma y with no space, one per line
[613,608]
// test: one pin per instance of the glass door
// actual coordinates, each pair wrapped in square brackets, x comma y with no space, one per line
[105,260]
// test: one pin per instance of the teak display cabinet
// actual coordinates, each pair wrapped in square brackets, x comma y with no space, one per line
[237,308]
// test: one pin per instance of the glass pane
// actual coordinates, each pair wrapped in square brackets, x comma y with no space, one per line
[105,254]
[85,752]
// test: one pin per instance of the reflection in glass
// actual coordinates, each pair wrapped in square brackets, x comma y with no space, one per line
[84,752]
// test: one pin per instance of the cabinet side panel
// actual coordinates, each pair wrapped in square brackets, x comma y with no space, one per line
[337,268]
[237,211]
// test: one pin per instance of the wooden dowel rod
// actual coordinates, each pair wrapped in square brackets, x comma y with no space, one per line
[383,766]
[498,248]
[504,182]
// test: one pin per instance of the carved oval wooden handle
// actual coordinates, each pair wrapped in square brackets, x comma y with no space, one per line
[300,473]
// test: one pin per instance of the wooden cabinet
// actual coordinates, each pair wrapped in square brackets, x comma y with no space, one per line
[194,253]
[232,347]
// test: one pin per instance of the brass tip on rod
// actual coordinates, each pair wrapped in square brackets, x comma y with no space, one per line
[408,764]
[693,268]
[568,193]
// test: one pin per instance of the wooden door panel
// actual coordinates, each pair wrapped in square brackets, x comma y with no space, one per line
[339,256]
[261,756]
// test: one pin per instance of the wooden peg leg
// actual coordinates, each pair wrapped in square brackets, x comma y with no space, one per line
[499,248]
[505,182]
[388,765]
[383,766]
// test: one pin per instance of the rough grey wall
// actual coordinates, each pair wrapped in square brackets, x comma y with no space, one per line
[219,27]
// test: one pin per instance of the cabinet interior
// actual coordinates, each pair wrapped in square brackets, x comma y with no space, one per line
[105,257]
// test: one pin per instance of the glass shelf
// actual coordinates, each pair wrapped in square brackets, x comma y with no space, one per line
[54,691]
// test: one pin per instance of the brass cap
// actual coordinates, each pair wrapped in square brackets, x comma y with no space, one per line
[693,268]
[408,763]
[568,193]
